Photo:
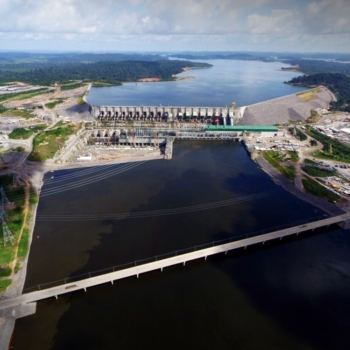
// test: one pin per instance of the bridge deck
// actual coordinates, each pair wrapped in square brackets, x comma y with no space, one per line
[161,264]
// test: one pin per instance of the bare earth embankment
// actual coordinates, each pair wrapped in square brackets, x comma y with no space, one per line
[284,109]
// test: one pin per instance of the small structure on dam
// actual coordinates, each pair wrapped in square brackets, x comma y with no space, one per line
[143,114]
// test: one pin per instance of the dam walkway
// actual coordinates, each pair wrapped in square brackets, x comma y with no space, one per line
[160,263]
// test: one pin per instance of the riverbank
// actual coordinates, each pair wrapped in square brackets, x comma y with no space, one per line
[36,174]
[279,179]
[9,316]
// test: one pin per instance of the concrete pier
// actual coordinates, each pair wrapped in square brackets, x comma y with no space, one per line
[168,153]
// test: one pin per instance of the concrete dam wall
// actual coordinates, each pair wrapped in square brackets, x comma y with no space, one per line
[205,115]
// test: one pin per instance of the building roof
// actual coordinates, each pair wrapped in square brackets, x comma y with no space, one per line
[252,128]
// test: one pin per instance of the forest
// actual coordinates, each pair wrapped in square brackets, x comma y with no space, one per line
[320,66]
[112,72]
[54,58]
[339,84]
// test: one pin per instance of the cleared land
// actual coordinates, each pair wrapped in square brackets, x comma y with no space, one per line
[22,134]
[284,109]
[47,143]
[22,113]
[316,189]
[308,95]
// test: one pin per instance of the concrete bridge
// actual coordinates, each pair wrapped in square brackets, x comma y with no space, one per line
[205,115]
[160,264]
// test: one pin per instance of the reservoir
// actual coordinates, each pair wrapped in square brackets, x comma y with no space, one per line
[291,294]
[243,82]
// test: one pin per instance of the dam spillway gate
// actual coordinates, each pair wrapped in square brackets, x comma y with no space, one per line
[201,115]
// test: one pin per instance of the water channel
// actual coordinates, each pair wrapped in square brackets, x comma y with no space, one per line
[284,295]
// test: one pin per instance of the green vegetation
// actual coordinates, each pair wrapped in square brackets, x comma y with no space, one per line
[274,159]
[337,83]
[314,171]
[310,67]
[18,149]
[293,156]
[308,95]
[314,117]
[332,148]
[103,71]
[72,86]
[316,189]
[22,95]
[225,56]
[309,161]
[15,222]
[23,134]
[300,135]
[104,83]
[23,244]
[22,113]
[26,60]
[2,109]
[33,198]
[4,284]
[81,101]
[313,143]
[55,103]
[47,143]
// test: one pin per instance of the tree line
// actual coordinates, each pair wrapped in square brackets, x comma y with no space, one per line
[106,71]
[320,66]
[339,84]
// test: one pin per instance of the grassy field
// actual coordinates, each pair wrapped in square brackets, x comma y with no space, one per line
[23,134]
[316,189]
[47,143]
[105,83]
[332,148]
[313,171]
[23,244]
[309,161]
[72,86]
[81,101]
[274,159]
[22,113]
[308,95]
[4,284]
[53,104]
[293,156]
[22,95]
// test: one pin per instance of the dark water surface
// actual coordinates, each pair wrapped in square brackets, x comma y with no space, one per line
[285,295]
[243,82]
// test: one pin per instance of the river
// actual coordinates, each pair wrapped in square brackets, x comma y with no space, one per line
[291,294]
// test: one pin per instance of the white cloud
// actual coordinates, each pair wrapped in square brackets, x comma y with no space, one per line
[190,24]
[330,17]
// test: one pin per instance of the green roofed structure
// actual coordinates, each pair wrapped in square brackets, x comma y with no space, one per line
[242,128]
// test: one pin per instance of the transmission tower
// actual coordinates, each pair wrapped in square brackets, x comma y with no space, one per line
[4,199]
[8,237]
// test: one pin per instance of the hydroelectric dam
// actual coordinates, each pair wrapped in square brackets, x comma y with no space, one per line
[204,115]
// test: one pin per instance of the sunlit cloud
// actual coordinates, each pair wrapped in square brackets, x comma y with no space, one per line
[177,25]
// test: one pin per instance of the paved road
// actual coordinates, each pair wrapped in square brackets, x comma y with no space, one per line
[161,264]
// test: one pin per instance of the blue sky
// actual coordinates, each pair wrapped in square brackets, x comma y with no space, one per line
[177,25]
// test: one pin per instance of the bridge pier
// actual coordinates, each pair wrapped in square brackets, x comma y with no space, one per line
[345,224]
